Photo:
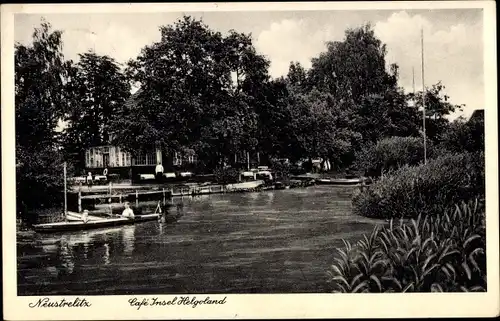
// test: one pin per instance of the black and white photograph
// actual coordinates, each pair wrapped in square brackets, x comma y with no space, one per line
[184,157]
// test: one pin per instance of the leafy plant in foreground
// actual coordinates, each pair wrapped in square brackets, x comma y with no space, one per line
[444,253]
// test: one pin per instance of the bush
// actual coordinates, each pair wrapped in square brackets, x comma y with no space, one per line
[39,179]
[425,189]
[464,135]
[444,253]
[391,153]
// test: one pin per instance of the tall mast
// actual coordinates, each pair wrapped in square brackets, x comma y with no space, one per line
[413,83]
[423,96]
[65,193]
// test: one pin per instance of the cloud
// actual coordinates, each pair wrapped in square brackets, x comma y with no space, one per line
[116,40]
[452,54]
[292,40]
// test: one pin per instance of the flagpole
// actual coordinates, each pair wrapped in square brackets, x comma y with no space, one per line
[423,96]
[413,75]
[65,194]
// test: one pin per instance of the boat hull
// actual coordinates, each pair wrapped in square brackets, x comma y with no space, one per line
[244,186]
[354,181]
[78,225]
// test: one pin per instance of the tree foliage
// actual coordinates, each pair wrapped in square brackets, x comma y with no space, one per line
[437,108]
[41,77]
[353,68]
[99,90]
[199,89]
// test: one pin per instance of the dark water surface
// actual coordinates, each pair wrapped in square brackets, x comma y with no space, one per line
[266,242]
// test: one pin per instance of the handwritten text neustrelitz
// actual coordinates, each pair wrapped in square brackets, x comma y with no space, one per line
[62,303]
[183,300]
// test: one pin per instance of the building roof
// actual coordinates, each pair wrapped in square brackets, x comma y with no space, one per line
[477,114]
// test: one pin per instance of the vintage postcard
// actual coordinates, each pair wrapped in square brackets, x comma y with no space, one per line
[249,160]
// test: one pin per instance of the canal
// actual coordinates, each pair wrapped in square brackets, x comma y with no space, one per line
[264,242]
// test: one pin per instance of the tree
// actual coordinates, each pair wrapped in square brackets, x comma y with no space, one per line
[384,115]
[353,68]
[297,76]
[463,135]
[354,73]
[323,128]
[188,97]
[437,107]
[41,76]
[99,91]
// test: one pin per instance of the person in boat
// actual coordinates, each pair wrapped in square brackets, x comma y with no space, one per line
[128,212]
[159,172]
[85,216]
[89,180]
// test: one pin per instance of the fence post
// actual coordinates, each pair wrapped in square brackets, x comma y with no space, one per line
[79,201]
[163,196]
[136,198]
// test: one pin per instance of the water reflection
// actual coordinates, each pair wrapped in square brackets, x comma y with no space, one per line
[128,239]
[106,254]
[66,255]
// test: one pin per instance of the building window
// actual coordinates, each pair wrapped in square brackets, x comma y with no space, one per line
[177,159]
[145,159]
[117,157]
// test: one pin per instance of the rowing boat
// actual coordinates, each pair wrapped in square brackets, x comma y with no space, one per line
[93,224]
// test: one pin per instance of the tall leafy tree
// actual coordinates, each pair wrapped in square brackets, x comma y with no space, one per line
[99,90]
[181,82]
[297,76]
[41,76]
[353,68]
[198,90]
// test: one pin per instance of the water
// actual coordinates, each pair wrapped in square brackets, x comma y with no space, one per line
[265,242]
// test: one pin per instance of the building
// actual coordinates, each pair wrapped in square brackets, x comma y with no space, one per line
[120,162]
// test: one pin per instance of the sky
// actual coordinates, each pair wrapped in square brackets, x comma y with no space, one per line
[453,40]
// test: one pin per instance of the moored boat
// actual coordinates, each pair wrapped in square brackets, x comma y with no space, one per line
[244,186]
[93,224]
[339,181]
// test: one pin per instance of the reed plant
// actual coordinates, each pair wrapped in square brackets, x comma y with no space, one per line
[442,253]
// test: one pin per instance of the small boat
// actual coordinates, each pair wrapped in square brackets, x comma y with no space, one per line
[93,224]
[244,186]
[339,181]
